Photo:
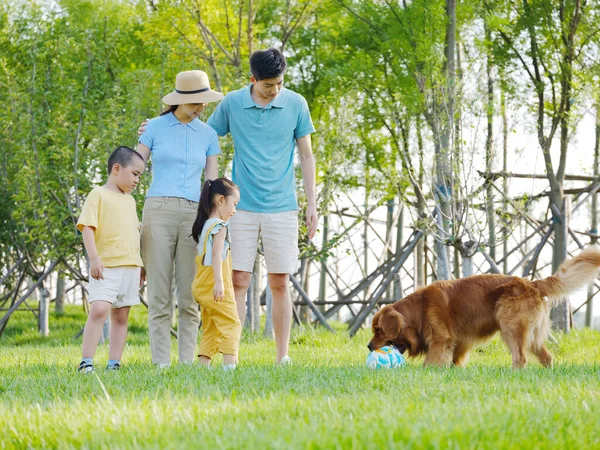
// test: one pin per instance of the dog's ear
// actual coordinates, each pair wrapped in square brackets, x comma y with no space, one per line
[391,322]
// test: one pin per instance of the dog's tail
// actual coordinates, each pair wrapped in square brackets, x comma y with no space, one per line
[571,275]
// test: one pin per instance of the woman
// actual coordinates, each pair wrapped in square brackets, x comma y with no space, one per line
[181,147]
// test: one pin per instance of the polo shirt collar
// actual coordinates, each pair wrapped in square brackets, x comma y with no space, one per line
[247,102]
[172,120]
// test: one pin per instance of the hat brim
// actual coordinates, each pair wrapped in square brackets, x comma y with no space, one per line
[175,98]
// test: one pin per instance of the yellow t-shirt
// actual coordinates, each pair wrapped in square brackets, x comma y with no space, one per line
[114,217]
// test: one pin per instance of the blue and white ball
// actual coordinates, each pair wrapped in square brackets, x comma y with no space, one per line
[387,357]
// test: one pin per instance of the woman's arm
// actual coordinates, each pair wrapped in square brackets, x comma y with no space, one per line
[217,263]
[144,150]
[211,171]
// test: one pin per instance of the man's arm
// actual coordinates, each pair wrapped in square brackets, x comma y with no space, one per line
[307,163]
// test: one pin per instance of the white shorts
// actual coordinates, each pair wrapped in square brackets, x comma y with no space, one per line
[121,286]
[279,232]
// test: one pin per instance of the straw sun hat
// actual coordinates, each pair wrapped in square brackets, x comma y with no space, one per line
[192,87]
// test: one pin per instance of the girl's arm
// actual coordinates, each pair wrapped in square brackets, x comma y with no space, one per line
[217,263]
[89,241]
[211,171]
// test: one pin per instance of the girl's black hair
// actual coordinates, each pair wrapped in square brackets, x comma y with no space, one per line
[266,64]
[211,188]
[170,109]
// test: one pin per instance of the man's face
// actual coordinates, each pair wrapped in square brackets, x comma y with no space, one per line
[268,88]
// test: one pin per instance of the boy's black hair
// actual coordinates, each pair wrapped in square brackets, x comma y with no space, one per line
[266,64]
[211,188]
[122,156]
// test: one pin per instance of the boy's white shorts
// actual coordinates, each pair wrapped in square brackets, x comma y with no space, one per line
[120,286]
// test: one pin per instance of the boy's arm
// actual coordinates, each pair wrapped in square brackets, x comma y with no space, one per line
[89,241]
[217,263]
[307,163]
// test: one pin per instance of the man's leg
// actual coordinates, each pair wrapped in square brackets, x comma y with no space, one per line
[282,311]
[241,282]
[244,227]
[280,242]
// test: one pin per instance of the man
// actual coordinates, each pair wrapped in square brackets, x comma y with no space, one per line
[266,122]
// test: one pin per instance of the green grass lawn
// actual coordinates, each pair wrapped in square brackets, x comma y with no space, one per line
[328,399]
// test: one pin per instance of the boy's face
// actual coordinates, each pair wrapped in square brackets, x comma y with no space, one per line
[127,178]
[269,88]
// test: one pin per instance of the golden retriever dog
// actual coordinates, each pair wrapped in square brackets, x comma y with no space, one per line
[444,320]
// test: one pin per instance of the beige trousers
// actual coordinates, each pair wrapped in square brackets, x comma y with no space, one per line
[166,228]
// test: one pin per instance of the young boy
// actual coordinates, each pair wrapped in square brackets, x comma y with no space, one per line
[110,228]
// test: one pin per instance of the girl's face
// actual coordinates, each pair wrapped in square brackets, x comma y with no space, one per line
[193,110]
[226,205]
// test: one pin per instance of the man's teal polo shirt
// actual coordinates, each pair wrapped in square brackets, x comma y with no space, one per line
[264,141]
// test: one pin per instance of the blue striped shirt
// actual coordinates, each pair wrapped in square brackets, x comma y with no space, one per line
[179,154]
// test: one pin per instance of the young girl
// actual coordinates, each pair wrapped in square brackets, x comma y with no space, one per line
[212,287]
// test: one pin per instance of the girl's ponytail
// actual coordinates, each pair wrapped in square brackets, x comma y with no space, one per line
[204,207]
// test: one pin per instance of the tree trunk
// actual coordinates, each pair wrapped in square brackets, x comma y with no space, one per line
[504,180]
[398,292]
[269,314]
[252,322]
[589,309]
[388,231]
[59,300]
[445,119]
[560,315]
[43,311]
[489,147]
[323,274]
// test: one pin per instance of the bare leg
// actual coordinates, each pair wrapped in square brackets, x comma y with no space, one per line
[118,332]
[99,310]
[282,311]
[204,360]
[241,282]
[229,359]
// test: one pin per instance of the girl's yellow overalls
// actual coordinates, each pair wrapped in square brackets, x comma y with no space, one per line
[221,327]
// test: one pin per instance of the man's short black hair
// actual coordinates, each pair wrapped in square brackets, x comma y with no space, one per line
[266,64]
[122,156]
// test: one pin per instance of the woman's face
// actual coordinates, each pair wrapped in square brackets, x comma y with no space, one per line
[193,110]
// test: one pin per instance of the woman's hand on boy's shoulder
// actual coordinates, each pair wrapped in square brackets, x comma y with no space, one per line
[96,268]
[142,127]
